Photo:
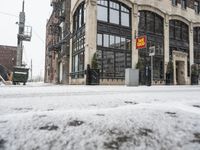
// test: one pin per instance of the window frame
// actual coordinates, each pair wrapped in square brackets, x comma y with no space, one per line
[174,2]
[184,4]
[109,8]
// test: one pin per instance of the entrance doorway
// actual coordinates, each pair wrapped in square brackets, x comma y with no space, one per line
[180,73]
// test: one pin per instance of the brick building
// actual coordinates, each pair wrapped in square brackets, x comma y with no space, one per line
[57,45]
[8,56]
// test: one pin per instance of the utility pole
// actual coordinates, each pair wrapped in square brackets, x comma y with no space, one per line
[20,73]
[31,70]
[24,34]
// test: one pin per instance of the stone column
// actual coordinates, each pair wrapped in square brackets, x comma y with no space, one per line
[166,43]
[90,30]
[135,21]
[191,41]
[174,65]
[70,49]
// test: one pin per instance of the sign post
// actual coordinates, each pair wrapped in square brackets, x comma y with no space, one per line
[151,54]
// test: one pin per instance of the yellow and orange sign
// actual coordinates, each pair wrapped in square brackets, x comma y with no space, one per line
[141,42]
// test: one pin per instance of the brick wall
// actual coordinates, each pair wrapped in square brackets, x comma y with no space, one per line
[8,55]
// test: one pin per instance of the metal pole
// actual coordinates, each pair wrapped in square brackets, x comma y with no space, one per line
[31,71]
[151,70]
[21,25]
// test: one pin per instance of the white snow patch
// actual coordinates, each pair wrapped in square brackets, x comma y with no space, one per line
[43,116]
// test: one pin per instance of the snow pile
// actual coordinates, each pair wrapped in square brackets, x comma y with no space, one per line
[88,118]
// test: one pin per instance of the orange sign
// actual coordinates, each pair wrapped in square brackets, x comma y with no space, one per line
[141,42]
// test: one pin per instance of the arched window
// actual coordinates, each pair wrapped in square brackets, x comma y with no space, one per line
[150,22]
[113,12]
[78,18]
[78,42]
[178,30]
[151,25]
[196,34]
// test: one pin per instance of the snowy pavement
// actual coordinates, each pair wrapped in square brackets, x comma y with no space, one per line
[53,117]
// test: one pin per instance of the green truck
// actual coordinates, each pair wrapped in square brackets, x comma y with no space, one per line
[20,75]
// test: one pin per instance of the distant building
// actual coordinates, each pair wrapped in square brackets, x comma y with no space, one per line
[108,29]
[8,55]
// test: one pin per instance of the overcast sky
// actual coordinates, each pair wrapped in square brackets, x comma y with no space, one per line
[37,13]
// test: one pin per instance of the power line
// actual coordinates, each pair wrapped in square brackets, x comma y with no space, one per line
[8,14]
[34,31]
[38,36]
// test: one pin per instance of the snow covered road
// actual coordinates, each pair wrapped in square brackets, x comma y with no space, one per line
[44,117]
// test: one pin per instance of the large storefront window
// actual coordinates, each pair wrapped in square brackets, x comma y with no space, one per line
[115,55]
[113,39]
[196,33]
[78,42]
[151,25]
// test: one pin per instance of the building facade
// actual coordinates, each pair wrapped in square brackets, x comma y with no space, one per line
[57,43]
[108,29]
[8,55]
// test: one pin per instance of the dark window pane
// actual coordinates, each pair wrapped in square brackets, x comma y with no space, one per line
[99,60]
[120,64]
[185,33]
[198,35]
[128,60]
[158,68]
[108,64]
[117,42]
[81,61]
[112,41]
[142,21]
[158,25]
[195,34]
[150,22]
[177,30]
[123,43]
[171,29]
